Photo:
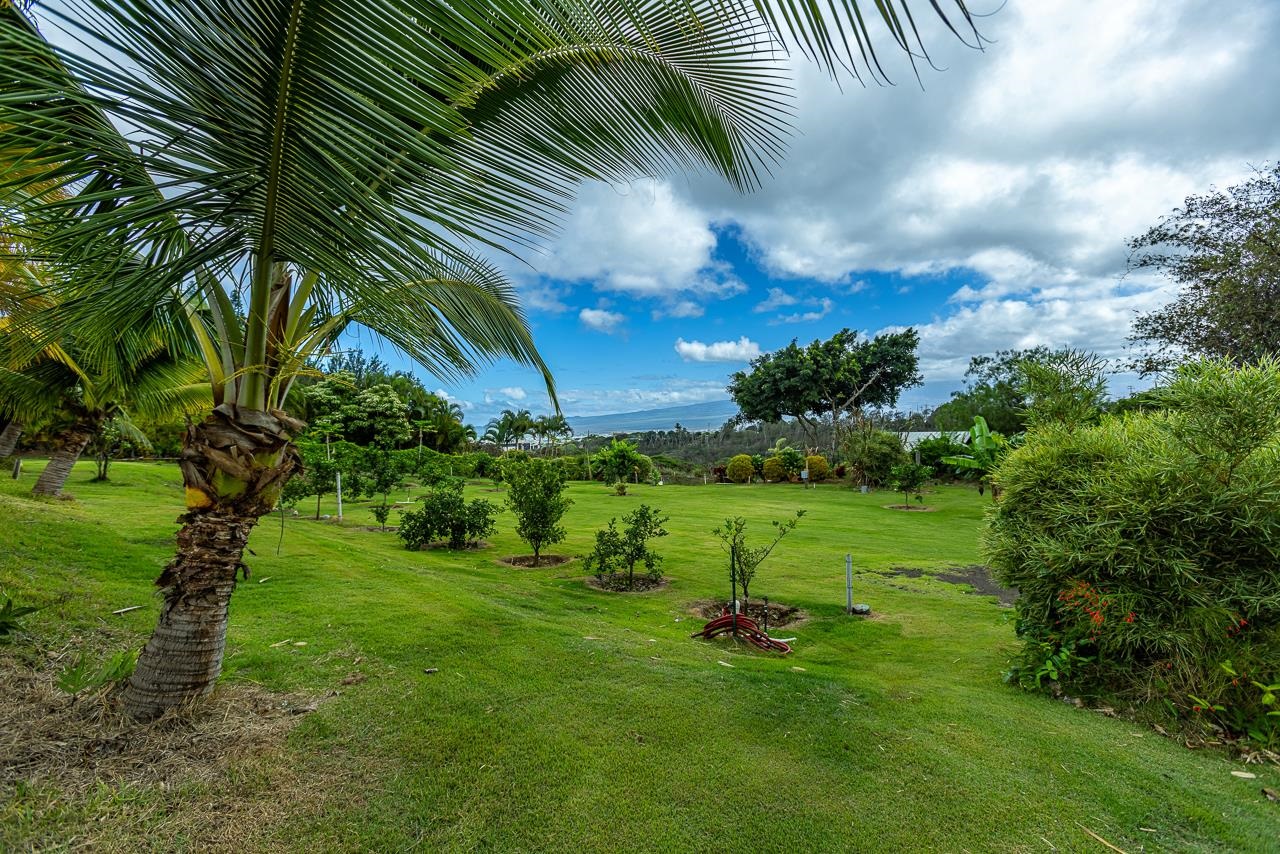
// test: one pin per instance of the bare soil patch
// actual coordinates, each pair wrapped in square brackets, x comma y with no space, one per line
[526,561]
[780,614]
[978,577]
[443,546]
[918,508]
[618,583]
[47,737]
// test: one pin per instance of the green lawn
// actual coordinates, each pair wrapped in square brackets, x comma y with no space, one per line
[563,718]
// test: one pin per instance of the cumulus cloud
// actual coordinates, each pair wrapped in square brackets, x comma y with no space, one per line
[506,394]
[601,320]
[742,350]
[776,298]
[597,401]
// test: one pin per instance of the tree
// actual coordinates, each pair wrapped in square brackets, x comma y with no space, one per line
[829,380]
[616,551]
[535,494]
[115,436]
[619,461]
[994,389]
[909,478]
[985,448]
[1222,249]
[339,161]
[1068,389]
[744,560]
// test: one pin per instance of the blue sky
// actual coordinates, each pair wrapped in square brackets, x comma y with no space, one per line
[989,207]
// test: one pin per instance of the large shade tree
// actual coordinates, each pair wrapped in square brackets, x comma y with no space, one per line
[321,156]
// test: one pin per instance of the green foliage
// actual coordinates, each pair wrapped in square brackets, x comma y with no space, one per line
[909,479]
[740,469]
[744,561]
[995,389]
[1068,388]
[84,675]
[773,470]
[9,616]
[819,468]
[1222,249]
[446,515]
[935,449]
[378,472]
[792,459]
[984,451]
[827,379]
[620,461]
[615,552]
[536,497]
[1149,544]
[871,454]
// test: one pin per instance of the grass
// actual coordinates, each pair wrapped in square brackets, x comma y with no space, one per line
[563,718]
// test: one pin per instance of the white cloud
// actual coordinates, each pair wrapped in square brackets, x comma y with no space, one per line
[466,405]
[680,309]
[776,299]
[742,350]
[601,320]
[506,394]
[824,308]
[597,401]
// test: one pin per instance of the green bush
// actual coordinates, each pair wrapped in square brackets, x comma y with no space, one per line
[1146,549]
[774,470]
[446,515]
[933,449]
[740,469]
[536,497]
[617,552]
[870,455]
[819,469]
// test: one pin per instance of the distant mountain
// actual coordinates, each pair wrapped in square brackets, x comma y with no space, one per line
[693,416]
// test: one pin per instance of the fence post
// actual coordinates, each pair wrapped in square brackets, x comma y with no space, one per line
[848,583]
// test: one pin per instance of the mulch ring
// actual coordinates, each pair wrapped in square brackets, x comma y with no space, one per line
[919,508]
[48,737]
[526,561]
[443,545]
[779,614]
[618,583]
[977,577]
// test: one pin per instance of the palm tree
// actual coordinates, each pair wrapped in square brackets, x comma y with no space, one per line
[78,389]
[319,157]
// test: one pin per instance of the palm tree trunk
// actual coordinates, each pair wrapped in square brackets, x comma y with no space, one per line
[9,438]
[55,474]
[234,466]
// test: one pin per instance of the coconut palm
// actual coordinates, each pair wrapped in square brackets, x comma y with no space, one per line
[76,390]
[316,156]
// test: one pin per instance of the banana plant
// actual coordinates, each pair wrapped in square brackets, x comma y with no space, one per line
[985,449]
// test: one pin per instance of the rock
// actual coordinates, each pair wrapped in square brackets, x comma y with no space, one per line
[431,670]
[862,609]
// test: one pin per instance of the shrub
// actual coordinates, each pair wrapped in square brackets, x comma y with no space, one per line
[933,449]
[740,469]
[870,454]
[446,515]
[774,471]
[536,497]
[819,470]
[616,551]
[1146,549]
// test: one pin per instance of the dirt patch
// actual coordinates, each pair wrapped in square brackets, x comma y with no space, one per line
[779,614]
[918,508]
[977,577]
[526,561]
[618,584]
[390,529]
[49,738]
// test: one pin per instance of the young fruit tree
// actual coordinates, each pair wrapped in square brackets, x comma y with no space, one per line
[909,479]
[615,552]
[744,560]
[322,164]
[535,494]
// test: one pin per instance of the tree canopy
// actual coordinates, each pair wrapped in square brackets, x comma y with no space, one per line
[1222,249]
[827,379]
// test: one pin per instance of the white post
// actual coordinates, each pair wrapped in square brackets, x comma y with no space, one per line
[848,583]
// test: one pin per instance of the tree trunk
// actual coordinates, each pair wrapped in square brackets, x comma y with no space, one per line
[55,474]
[9,438]
[234,465]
